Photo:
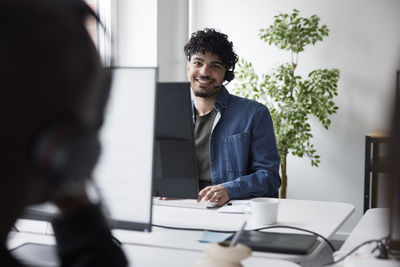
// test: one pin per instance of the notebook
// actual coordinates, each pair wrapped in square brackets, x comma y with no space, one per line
[278,242]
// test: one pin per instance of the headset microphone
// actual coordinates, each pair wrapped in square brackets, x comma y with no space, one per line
[220,86]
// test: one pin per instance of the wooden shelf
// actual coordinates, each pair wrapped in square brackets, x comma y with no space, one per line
[375,164]
[378,134]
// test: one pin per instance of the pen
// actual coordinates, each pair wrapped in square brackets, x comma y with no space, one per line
[235,238]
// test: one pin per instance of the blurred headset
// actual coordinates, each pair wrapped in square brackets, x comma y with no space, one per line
[66,151]
[229,75]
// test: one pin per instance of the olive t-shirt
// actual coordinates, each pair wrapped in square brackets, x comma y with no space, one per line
[202,131]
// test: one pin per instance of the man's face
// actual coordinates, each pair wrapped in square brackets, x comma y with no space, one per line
[206,74]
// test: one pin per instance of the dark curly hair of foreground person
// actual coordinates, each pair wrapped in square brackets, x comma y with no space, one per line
[214,42]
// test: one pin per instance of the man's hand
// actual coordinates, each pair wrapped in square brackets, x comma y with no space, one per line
[215,193]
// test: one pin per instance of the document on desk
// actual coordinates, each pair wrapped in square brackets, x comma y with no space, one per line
[210,236]
[233,206]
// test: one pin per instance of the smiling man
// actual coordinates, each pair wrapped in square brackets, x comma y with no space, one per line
[236,151]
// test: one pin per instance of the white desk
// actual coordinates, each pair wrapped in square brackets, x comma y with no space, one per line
[375,224]
[167,257]
[145,256]
[321,217]
[318,216]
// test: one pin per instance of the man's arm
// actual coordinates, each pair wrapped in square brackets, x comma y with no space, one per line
[263,178]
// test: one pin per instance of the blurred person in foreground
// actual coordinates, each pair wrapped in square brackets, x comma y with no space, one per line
[53,90]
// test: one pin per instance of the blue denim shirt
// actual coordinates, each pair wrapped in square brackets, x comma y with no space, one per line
[243,153]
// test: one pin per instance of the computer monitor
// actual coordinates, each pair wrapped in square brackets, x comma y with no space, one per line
[175,161]
[124,172]
[395,219]
[395,175]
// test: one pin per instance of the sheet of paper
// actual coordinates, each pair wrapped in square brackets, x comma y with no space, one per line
[234,206]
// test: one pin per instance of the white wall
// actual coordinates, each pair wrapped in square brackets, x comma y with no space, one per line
[364,44]
[136,35]
[172,35]
[152,33]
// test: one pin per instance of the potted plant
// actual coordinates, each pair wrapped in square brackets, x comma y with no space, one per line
[291,98]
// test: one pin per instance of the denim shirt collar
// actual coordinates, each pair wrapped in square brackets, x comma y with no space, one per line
[220,103]
[223,99]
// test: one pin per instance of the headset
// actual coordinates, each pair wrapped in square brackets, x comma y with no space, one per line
[229,75]
[66,151]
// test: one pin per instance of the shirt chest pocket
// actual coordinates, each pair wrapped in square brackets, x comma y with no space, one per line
[236,153]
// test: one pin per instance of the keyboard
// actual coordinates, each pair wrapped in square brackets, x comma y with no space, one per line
[185,203]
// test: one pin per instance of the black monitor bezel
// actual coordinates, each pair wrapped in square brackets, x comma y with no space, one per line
[174,188]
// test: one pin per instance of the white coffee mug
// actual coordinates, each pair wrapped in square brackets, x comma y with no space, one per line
[263,210]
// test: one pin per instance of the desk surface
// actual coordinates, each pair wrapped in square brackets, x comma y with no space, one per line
[321,217]
[143,255]
[375,224]
[168,257]
[318,216]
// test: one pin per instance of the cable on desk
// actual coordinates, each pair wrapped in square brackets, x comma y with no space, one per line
[116,240]
[300,229]
[354,249]
[257,229]
[192,229]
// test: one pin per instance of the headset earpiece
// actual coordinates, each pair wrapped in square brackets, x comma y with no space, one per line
[229,75]
[66,154]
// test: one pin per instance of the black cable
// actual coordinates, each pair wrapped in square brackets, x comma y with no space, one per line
[299,229]
[257,229]
[352,251]
[383,249]
[192,229]
[116,240]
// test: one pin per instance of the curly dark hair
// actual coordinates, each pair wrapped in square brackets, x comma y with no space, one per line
[214,42]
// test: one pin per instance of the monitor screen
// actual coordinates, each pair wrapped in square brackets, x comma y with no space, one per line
[124,172]
[175,161]
[395,156]
[395,219]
